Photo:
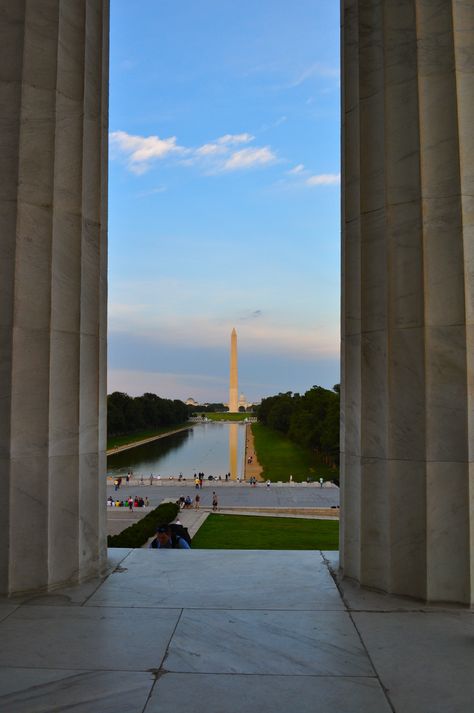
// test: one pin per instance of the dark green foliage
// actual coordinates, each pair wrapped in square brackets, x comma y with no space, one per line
[127,414]
[312,420]
[136,535]
[206,408]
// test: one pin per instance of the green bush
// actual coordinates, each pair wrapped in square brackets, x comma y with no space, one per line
[136,535]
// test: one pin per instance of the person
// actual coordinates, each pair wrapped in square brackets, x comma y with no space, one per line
[147,502]
[197,500]
[130,502]
[110,501]
[151,478]
[165,540]
[215,501]
[321,481]
[116,485]
[188,502]
[268,483]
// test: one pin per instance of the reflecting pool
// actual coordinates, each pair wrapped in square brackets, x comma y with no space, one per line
[211,448]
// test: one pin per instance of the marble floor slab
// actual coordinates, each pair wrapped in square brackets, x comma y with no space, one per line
[224,631]
[267,642]
[24,690]
[424,659]
[6,610]
[176,693]
[86,638]
[209,579]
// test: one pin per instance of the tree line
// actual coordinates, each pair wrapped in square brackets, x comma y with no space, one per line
[312,420]
[128,414]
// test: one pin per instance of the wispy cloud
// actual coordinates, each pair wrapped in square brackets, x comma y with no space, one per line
[252,315]
[168,384]
[301,176]
[296,170]
[152,192]
[141,151]
[248,158]
[318,69]
[232,139]
[324,179]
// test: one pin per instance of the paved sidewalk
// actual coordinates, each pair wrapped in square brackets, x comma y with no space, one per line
[209,631]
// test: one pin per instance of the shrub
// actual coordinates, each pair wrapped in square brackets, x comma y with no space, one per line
[136,535]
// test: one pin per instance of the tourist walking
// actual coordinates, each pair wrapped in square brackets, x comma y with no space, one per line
[197,502]
[215,501]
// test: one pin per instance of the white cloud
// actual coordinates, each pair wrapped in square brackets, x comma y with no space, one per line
[232,139]
[210,150]
[142,150]
[213,157]
[296,170]
[324,179]
[248,158]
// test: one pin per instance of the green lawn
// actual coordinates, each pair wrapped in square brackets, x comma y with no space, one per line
[247,532]
[115,441]
[280,457]
[227,416]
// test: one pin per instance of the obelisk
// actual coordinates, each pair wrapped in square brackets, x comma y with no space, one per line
[233,385]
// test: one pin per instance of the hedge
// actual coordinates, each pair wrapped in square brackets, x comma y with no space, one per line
[136,535]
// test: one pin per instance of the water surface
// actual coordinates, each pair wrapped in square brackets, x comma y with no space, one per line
[211,448]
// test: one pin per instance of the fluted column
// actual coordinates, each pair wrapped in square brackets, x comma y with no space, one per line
[53,278]
[408,297]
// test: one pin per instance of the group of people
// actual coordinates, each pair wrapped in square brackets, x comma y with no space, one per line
[131,503]
[187,503]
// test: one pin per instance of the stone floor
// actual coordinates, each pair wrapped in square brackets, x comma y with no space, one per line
[230,631]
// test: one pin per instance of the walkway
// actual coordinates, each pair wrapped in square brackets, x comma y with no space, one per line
[209,631]
[143,441]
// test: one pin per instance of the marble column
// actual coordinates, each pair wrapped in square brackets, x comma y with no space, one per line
[408,297]
[53,283]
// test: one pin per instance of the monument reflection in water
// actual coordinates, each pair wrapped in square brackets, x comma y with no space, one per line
[211,448]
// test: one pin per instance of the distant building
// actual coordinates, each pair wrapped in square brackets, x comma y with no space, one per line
[191,402]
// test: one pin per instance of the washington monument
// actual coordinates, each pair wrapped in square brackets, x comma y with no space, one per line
[233,384]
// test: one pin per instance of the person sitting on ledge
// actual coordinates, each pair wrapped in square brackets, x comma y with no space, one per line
[164,539]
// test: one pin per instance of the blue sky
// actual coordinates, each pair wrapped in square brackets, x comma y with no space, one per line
[224,196]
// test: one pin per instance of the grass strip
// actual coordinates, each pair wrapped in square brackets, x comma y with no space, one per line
[136,535]
[227,416]
[247,532]
[116,441]
[280,458]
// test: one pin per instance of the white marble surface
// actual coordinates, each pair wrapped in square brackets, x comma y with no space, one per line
[267,642]
[425,660]
[24,690]
[96,638]
[266,694]
[160,578]
[7,609]
[407,299]
[59,653]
